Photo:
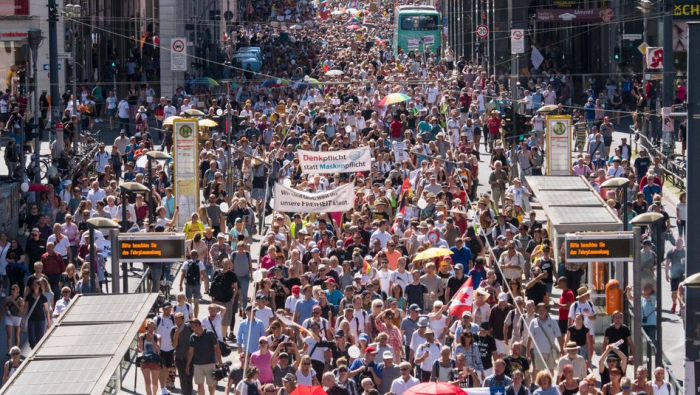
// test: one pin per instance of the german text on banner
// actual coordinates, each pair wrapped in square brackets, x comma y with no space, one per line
[330,162]
[290,200]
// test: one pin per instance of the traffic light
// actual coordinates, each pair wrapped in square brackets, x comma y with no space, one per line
[617,54]
[507,123]
[523,126]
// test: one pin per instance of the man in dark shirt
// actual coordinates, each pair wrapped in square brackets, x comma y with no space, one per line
[497,319]
[455,282]
[416,292]
[180,335]
[487,347]
[35,248]
[641,164]
[618,331]
[53,267]
[515,361]
[202,355]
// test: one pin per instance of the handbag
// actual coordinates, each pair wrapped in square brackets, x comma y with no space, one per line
[25,319]
[225,349]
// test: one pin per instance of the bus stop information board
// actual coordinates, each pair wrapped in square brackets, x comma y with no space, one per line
[152,247]
[610,247]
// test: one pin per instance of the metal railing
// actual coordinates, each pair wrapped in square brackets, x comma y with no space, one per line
[673,172]
[660,360]
[142,286]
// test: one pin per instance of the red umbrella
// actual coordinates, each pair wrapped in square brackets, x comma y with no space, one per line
[433,389]
[308,390]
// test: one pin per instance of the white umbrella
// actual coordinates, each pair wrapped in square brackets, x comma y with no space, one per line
[333,73]
[337,13]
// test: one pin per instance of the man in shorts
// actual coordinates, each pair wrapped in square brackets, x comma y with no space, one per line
[193,274]
[202,356]
[544,332]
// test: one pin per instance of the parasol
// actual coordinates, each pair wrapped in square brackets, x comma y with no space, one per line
[207,123]
[194,112]
[394,98]
[204,81]
[334,73]
[547,108]
[169,120]
[432,253]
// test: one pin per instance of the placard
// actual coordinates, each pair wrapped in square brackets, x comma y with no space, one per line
[400,153]
[517,41]
[288,200]
[331,162]
[559,145]
[186,175]
[151,247]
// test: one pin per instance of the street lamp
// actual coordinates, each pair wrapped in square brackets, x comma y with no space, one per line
[98,223]
[153,155]
[128,189]
[646,219]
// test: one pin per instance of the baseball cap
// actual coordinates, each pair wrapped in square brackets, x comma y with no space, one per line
[290,378]
[414,307]
[502,297]
[296,289]
[370,350]
[329,280]
[364,337]
[387,355]
[423,322]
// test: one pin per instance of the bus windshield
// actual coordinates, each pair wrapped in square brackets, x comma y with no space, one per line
[419,22]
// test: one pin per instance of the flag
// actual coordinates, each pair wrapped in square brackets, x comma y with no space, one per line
[485,391]
[324,66]
[462,300]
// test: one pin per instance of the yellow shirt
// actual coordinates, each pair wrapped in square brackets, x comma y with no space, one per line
[192,229]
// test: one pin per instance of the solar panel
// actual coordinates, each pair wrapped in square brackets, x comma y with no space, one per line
[581,215]
[70,340]
[65,376]
[570,198]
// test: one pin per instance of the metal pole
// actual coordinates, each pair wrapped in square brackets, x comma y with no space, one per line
[53,75]
[659,299]
[637,292]
[124,203]
[667,93]
[34,36]
[692,266]
[93,258]
[625,270]
[150,190]
[113,239]
[75,77]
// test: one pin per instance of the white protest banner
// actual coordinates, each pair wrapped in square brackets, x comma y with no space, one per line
[400,153]
[331,162]
[288,200]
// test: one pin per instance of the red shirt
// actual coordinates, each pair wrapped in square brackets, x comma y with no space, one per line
[566,298]
[395,127]
[494,125]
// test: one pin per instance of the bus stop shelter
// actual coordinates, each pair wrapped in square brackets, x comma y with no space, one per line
[572,205]
[83,352]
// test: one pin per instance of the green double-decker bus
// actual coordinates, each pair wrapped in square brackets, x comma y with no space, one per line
[416,28]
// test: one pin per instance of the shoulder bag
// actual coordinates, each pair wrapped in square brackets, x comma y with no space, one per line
[225,349]
[25,319]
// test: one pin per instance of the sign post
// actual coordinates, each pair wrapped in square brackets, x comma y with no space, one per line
[186,171]
[482,31]
[178,54]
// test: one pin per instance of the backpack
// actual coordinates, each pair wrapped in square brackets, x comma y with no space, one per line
[159,319]
[192,276]
[220,289]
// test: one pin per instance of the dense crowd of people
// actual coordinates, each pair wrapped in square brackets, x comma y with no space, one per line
[339,299]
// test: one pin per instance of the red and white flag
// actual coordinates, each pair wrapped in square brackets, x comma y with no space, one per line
[463,299]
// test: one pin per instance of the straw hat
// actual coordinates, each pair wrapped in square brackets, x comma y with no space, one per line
[581,292]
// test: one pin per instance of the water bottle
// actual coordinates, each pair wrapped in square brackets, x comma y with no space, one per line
[619,343]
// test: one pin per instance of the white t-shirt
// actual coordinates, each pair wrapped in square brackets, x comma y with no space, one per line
[402,279]
[163,329]
[434,353]
[213,324]
[265,315]
[186,309]
[111,103]
[242,387]
[123,109]
[169,111]
[585,309]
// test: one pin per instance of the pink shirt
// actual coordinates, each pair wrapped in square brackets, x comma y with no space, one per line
[262,362]
[71,232]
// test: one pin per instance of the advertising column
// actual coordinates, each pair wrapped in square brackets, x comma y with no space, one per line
[559,145]
[186,176]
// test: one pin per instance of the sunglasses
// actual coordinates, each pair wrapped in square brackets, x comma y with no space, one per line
[405,369]
[66,292]
[306,363]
